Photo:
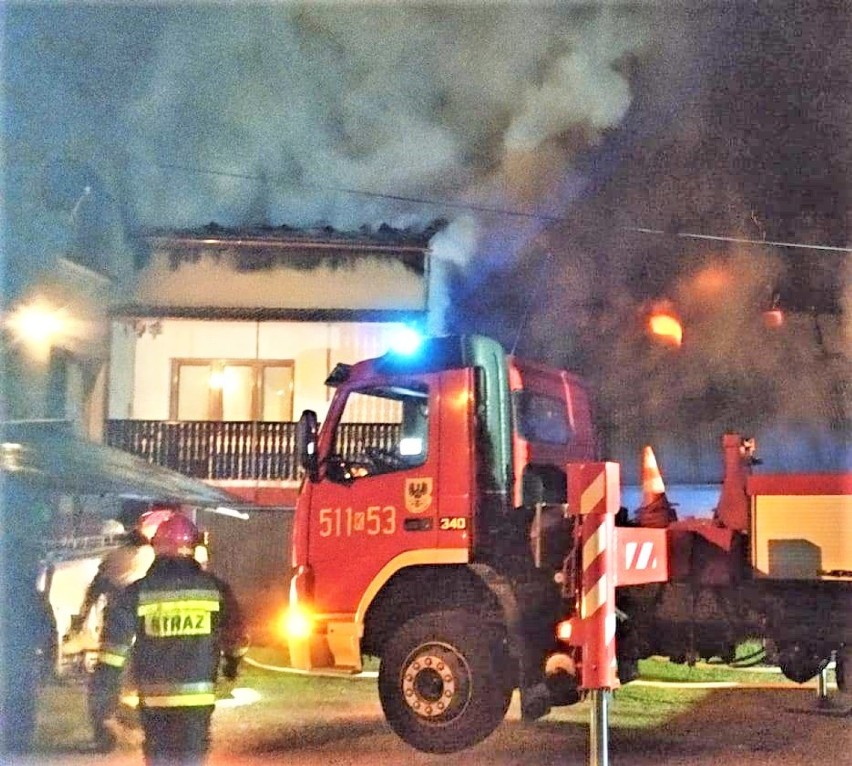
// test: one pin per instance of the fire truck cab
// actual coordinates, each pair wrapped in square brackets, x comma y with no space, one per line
[414,533]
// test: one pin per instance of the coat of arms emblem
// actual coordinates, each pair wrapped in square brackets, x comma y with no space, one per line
[418,495]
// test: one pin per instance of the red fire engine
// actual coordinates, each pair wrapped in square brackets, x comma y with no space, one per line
[453,523]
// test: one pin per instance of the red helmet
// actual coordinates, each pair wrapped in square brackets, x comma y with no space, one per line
[149,521]
[176,536]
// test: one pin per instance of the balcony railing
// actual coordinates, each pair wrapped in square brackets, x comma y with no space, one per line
[234,450]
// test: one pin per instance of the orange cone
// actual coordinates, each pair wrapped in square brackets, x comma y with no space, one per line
[652,480]
[656,510]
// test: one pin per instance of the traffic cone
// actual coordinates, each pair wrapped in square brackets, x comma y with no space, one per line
[656,510]
[652,480]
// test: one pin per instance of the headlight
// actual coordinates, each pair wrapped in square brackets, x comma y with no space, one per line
[297,623]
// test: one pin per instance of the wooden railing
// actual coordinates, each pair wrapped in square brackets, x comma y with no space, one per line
[233,450]
[206,449]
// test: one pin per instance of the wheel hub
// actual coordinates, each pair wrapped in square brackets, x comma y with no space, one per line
[428,685]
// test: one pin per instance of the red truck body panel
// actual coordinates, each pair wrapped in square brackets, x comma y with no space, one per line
[348,533]
[561,442]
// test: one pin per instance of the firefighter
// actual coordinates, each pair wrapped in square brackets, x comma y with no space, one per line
[120,567]
[175,625]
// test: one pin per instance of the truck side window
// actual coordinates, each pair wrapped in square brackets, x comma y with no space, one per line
[542,418]
[383,429]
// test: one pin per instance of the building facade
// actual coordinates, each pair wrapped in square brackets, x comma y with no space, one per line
[231,334]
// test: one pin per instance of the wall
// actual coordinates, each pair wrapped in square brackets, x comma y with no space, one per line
[315,348]
[253,557]
[364,283]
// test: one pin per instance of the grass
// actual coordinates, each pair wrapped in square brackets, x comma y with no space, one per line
[63,723]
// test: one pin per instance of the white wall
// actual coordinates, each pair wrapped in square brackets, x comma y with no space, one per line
[360,283]
[121,370]
[315,347]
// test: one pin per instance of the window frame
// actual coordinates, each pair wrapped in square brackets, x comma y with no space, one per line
[215,402]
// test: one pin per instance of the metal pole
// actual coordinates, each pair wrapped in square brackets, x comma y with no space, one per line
[599,729]
[822,685]
[822,682]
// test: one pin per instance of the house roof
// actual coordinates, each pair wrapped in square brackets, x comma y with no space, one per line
[322,236]
[255,248]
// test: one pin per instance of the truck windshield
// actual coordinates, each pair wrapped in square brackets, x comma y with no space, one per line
[384,429]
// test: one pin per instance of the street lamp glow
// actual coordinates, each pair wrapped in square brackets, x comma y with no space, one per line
[666,328]
[36,323]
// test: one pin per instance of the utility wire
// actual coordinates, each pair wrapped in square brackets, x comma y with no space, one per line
[371,194]
[543,217]
[741,240]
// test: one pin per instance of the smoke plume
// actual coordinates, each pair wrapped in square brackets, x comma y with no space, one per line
[543,133]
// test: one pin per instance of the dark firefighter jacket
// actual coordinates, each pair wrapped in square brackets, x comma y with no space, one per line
[176,622]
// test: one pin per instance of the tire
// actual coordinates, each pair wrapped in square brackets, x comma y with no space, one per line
[801,662]
[442,683]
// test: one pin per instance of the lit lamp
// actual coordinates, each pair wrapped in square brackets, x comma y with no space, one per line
[773,317]
[37,325]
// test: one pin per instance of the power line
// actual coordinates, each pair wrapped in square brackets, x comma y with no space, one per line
[374,195]
[742,240]
[543,217]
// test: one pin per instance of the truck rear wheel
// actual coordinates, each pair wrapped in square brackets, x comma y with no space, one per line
[441,682]
[800,662]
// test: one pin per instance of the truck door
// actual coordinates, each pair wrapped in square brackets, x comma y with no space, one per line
[377,493]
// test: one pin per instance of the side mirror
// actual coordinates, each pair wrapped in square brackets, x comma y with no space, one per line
[306,444]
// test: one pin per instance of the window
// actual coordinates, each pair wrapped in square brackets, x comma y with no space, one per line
[205,389]
[542,418]
[384,429]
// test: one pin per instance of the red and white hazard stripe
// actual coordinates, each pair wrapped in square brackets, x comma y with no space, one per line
[591,487]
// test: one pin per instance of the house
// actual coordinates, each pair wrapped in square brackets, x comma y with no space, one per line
[227,336]
[230,334]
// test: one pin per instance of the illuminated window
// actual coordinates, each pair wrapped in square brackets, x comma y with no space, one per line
[223,389]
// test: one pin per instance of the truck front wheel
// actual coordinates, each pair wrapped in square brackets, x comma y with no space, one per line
[442,682]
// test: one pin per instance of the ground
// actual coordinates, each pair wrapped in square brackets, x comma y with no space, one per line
[331,722]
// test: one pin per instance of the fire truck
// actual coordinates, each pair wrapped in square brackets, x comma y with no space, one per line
[435,531]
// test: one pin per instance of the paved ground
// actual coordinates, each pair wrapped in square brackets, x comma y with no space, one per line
[727,727]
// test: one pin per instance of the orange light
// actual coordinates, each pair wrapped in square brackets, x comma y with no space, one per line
[666,328]
[296,623]
[564,630]
[712,280]
[773,318]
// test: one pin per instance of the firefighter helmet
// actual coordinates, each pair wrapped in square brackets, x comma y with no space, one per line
[176,536]
[148,522]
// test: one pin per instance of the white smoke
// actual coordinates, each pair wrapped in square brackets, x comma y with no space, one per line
[278,113]
[450,247]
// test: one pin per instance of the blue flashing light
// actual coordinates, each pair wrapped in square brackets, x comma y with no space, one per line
[406,341]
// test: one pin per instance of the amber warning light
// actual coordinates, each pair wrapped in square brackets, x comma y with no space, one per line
[773,318]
